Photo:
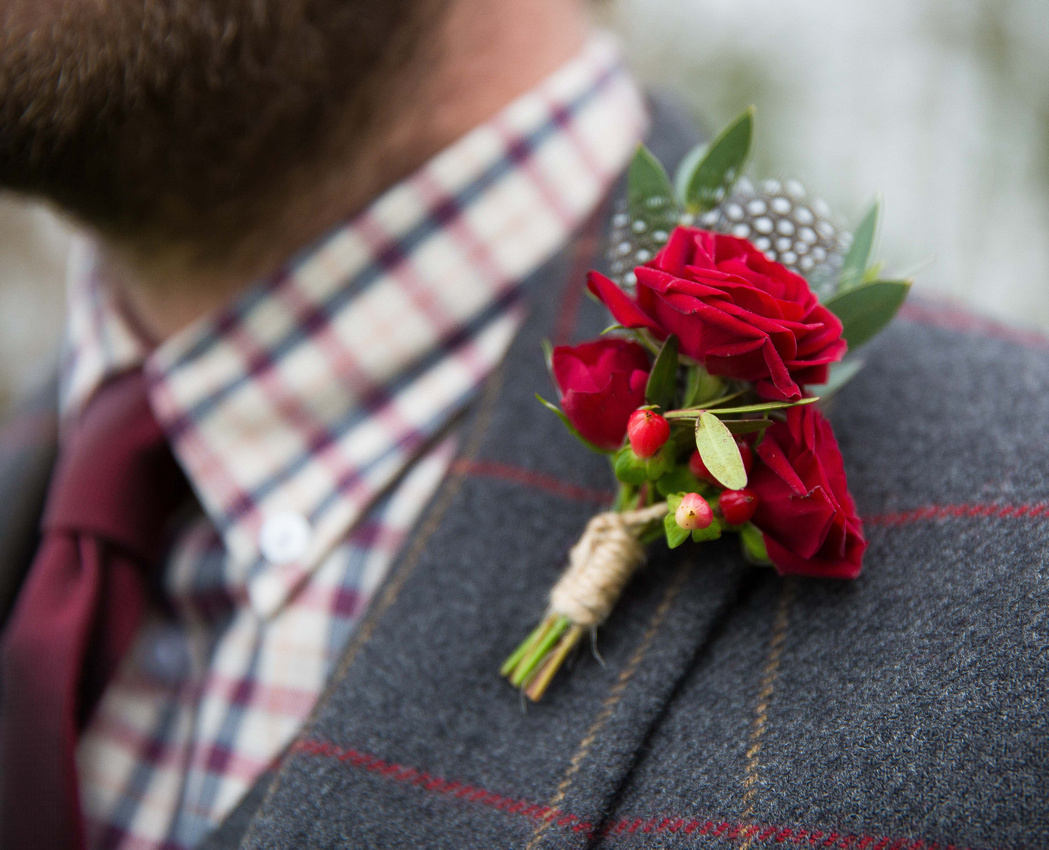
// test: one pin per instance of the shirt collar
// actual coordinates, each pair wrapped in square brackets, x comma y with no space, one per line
[293,408]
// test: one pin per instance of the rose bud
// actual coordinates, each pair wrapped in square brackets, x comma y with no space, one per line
[601,384]
[738,506]
[693,512]
[647,432]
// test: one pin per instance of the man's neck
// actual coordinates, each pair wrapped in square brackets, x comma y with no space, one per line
[490,54]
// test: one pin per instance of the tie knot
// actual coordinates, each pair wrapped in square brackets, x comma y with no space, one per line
[116,476]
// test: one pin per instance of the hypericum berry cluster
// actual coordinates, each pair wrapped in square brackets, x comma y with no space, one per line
[735,507]
[651,455]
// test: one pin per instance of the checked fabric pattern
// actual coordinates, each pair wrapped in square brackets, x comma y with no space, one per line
[315,413]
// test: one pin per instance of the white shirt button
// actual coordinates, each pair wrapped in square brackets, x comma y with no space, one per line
[284,537]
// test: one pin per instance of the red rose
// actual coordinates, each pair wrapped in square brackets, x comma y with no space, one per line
[601,383]
[734,310]
[805,512]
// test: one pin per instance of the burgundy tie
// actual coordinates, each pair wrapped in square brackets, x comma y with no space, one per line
[114,488]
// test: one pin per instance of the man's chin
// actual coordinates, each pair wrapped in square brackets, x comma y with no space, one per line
[177,121]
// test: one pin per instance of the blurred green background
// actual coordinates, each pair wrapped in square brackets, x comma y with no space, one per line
[941,106]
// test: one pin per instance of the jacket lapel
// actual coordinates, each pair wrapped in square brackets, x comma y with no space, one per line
[417,741]
[28,445]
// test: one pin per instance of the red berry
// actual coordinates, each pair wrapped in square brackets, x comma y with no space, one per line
[699,469]
[647,432]
[693,512]
[738,506]
[747,453]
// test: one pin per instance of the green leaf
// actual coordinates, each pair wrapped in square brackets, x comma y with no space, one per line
[678,480]
[719,451]
[628,467]
[753,542]
[705,177]
[864,310]
[567,423]
[650,197]
[646,178]
[548,355]
[747,408]
[856,260]
[725,398]
[873,272]
[746,426]
[700,387]
[765,405]
[644,337]
[662,380]
[686,168]
[840,374]
[549,405]
[711,532]
[676,535]
[660,463]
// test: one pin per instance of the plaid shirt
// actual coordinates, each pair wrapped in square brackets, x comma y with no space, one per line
[311,417]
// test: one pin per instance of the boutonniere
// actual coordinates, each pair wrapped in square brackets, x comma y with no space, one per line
[735,306]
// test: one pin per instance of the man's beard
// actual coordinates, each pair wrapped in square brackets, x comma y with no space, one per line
[184,121]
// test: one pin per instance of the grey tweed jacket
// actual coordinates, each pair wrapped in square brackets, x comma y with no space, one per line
[733,709]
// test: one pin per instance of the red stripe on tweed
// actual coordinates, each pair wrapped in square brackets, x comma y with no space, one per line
[1038,510]
[542,481]
[961,320]
[438,785]
[729,831]
[536,480]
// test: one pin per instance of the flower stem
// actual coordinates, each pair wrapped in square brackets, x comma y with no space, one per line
[540,681]
[553,626]
[693,411]
[611,540]
[524,647]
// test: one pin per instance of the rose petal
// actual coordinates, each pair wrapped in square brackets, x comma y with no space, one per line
[805,511]
[625,310]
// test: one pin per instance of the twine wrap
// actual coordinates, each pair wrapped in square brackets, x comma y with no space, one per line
[600,565]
